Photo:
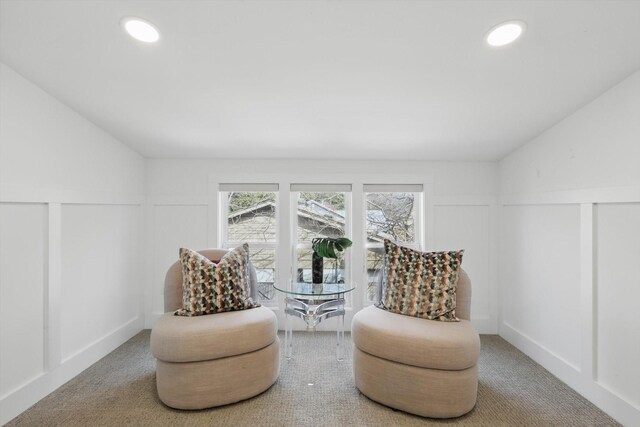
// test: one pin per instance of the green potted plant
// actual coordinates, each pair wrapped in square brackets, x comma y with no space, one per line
[325,247]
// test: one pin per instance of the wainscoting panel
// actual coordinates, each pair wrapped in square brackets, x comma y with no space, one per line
[174,226]
[23,246]
[468,228]
[101,272]
[540,277]
[617,231]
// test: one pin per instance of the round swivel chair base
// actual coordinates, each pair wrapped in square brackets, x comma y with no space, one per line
[432,393]
[217,382]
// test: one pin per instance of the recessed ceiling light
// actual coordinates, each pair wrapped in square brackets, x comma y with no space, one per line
[140,29]
[505,33]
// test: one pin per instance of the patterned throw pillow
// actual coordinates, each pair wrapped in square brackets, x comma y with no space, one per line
[209,288]
[420,284]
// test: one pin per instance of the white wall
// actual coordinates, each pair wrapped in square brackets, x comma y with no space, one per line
[460,210]
[569,271]
[71,202]
[596,147]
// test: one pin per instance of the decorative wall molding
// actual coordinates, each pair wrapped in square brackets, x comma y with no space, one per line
[465,200]
[17,401]
[587,288]
[177,200]
[629,194]
[53,289]
[56,370]
[24,194]
[607,400]
[581,378]
[552,361]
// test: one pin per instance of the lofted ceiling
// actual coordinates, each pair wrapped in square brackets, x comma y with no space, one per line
[322,79]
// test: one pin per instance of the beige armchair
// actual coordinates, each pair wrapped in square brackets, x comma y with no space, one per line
[216,359]
[424,367]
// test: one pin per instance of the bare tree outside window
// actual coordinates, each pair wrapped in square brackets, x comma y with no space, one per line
[390,216]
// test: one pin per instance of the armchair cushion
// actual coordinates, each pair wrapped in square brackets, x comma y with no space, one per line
[416,342]
[183,339]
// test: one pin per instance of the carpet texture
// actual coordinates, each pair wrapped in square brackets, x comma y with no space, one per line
[313,389]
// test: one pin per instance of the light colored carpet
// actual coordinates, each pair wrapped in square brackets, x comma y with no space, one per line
[313,389]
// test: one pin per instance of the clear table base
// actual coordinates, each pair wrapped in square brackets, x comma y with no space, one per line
[313,312]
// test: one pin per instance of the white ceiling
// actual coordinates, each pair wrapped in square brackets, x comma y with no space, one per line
[323,79]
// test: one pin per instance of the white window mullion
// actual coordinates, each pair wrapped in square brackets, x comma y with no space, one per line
[223,209]
[293,233]
[417,221]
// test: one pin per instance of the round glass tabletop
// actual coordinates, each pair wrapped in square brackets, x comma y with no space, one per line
[313,289]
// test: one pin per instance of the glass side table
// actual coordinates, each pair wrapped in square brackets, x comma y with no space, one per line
[313,303]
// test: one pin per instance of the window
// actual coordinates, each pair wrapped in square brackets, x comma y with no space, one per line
[250,211]
[320,211]
[391,212]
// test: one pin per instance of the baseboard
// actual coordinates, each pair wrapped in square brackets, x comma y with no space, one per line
[617,407]
[554,363]
[16,402]
[608,401]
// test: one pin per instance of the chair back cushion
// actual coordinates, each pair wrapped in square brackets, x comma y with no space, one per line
[463,294]
[420,284]
[173,288]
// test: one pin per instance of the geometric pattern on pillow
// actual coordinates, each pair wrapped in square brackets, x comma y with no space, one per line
[209,288]
[420,284]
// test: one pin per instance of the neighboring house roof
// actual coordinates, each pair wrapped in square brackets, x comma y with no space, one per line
[315,213]
[252,209]
[313,206]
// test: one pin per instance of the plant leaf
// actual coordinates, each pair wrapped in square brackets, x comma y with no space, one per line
[331,250]
[344,243]
[326,247]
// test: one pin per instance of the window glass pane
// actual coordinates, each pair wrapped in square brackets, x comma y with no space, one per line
[375,263]
[391,216]
[251,216]
[264,261]
[333,271]
[320,215]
